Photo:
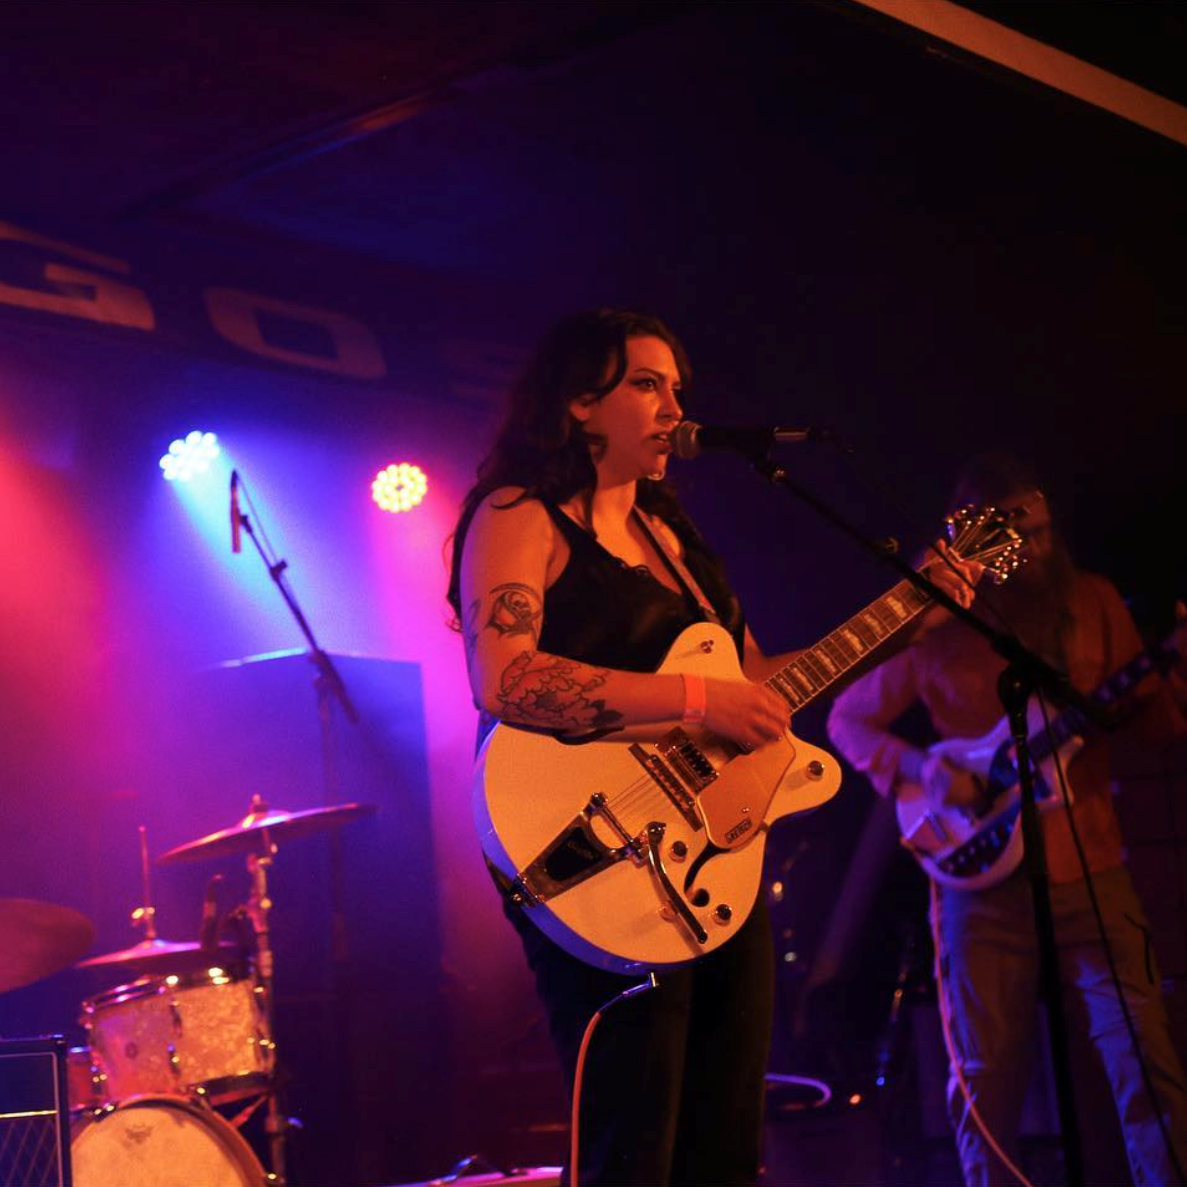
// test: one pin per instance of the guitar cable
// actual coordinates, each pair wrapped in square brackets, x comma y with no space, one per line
[1118,990]
[579,1072]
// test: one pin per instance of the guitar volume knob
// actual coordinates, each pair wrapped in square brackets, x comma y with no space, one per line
[815,769]
[723,913]
[678,851]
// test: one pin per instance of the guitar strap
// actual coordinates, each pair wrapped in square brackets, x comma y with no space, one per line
[678,567]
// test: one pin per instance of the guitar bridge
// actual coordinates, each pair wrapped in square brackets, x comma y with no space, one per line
[679,770]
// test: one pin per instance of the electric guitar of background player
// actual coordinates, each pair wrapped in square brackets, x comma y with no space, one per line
[972,850]
[642,849]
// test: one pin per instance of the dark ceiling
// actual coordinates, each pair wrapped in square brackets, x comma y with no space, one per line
[851,225]
[451,133]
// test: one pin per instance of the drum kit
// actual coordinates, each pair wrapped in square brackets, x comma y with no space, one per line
[191,1030]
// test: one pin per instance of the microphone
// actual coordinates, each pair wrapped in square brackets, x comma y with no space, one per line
[208,931]
[236,514]
[691,439]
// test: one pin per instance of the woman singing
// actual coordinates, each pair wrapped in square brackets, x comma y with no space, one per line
[568,600]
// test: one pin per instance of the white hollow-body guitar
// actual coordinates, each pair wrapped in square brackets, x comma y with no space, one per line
[972,851]
[642,849]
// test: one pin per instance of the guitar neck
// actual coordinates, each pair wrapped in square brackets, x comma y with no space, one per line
[820,666]
[1073,722]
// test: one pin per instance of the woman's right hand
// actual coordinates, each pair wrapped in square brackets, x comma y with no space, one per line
[746,713]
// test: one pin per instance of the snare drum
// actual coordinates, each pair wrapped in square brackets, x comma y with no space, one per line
[161,1141]
[170,1035]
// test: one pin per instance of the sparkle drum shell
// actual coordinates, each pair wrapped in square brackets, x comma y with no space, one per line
[202,1033]
[161,1141]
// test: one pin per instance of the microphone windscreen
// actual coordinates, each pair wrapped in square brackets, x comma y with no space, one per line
[684,439]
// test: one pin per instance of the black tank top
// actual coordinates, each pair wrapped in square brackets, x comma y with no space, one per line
[605,612]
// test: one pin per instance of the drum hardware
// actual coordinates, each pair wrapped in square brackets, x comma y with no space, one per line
[257,835]
[152,954]
[192,1030]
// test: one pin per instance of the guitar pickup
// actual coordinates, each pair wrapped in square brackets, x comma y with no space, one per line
[688,760]
[665,779]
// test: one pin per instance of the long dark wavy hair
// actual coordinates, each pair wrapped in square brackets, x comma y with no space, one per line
[540,446]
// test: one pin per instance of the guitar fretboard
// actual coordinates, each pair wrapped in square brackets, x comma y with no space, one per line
[1073,721]
[818,667]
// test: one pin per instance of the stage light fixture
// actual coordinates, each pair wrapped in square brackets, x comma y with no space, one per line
[189,456]
[399,487]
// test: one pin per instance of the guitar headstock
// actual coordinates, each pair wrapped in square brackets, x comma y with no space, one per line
[986,535]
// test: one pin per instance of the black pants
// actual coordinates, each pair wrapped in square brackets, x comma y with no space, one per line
[673,1086]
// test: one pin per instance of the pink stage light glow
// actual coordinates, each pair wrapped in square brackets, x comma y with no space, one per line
[399,487]
[189,456]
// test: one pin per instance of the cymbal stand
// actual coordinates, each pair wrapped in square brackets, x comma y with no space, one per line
[258,906]
[146,914]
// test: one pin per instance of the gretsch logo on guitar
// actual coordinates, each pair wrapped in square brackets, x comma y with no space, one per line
[643,850]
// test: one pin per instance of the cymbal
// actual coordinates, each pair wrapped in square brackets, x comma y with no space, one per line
[278,824]
[163,956]
[37,939]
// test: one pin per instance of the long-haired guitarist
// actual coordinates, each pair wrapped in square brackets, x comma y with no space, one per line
[983,915]
[574,570]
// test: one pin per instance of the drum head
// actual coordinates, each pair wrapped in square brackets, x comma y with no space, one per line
[161,1141]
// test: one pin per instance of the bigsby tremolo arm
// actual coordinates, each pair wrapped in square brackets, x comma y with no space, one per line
[654,837]
[647,845]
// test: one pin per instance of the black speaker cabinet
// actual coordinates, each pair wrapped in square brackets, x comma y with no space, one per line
[34,1113]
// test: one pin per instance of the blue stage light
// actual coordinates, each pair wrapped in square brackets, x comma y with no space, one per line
[189,456]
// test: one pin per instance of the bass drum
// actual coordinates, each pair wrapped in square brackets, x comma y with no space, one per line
[161,1141]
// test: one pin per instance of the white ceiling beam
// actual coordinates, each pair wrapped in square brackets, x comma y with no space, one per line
[996,42]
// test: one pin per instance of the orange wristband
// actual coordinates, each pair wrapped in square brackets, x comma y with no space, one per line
[695,699]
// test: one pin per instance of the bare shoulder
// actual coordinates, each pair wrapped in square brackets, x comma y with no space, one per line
[511,531]
[507,510]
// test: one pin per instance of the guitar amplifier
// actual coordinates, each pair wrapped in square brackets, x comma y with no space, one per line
[34,1113]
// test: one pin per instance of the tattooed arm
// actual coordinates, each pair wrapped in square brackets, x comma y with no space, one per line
[510,557]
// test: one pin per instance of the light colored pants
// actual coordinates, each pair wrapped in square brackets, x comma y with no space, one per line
[990,965]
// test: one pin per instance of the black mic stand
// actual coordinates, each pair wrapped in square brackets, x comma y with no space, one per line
[329,687]
[1024,674]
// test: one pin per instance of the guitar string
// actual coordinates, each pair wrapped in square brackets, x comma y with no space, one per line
[643,790]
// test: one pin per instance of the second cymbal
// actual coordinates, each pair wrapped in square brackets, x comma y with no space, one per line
[163,956]
[263,825]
